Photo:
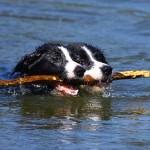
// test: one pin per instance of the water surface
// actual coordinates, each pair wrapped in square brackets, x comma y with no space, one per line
[115,119]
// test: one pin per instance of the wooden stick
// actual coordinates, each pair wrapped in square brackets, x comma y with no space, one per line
[30,79]
[88,79]
[131,74]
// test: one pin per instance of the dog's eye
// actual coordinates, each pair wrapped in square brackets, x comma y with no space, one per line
[55,59]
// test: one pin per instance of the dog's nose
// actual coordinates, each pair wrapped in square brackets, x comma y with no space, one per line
[107,70]
[79,71]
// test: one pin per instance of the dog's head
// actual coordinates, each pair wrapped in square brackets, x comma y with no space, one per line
[92,59]
[52,59]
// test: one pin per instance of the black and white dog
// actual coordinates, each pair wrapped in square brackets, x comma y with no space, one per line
[71,62]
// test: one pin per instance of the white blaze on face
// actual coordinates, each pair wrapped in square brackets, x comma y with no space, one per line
[71,65]
[95,71]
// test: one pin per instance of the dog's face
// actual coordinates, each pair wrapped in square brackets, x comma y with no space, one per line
[68,62]
[92,59]
[52,59]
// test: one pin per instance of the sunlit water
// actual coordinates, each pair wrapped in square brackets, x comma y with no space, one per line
[119,117]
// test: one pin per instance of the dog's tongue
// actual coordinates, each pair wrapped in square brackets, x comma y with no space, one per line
[66,90]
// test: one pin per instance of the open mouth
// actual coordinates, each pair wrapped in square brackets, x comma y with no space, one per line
[71,87]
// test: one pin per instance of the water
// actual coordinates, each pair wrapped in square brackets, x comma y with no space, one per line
[115,119]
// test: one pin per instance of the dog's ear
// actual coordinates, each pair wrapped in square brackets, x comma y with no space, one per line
[26,63]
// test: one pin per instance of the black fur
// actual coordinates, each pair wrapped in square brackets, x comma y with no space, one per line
[80,56]
[47,59]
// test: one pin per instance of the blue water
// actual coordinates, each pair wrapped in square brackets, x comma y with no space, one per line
[119,117]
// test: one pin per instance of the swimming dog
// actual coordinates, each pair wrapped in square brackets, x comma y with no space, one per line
[70,62]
